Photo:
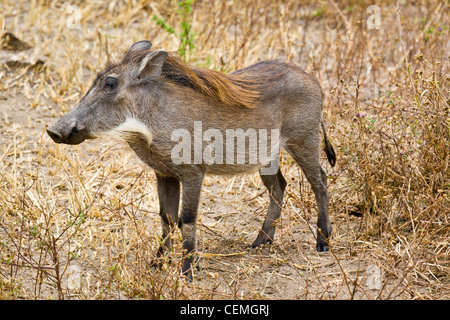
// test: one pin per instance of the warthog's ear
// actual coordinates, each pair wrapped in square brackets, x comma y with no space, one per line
[137,47]
[150,65]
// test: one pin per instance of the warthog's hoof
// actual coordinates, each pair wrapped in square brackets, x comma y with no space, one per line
[187,268]
[159,262]
[322,244]
[257,243]
[262,238]
[161,258]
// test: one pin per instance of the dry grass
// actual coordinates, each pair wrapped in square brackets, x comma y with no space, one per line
[81,222]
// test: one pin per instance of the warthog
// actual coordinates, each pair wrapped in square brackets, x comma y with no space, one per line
[157,103]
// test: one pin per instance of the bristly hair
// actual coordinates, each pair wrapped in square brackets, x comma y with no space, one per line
[233,89]
[230,89]
[238,88]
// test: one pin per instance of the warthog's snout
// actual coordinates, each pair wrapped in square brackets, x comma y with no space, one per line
[67,134]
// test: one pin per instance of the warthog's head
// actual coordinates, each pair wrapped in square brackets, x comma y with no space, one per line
[114,104]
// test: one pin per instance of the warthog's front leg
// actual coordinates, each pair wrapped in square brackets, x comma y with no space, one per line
[188,221]
[169,200]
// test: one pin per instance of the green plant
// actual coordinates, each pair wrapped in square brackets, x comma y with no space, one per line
[185,34]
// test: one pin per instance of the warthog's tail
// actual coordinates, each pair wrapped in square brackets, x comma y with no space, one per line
[328,148]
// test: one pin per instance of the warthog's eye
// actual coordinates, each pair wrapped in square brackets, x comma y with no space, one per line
[110,83]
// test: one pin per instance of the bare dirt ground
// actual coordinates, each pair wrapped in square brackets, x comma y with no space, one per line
[81,222]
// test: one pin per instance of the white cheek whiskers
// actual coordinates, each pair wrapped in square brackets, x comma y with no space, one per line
[129,129]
